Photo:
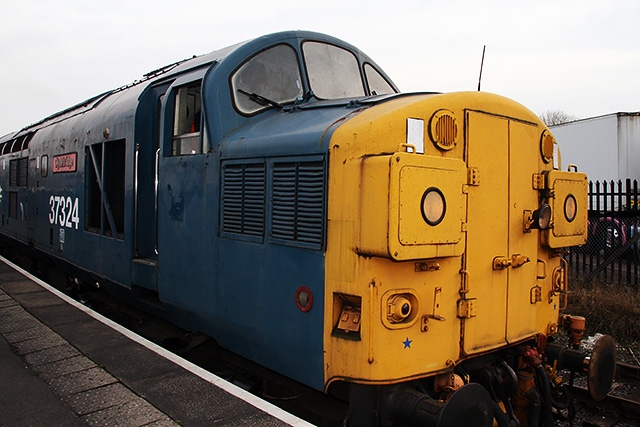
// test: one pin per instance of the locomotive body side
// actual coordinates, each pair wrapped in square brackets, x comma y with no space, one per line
[56,211]
[281,197]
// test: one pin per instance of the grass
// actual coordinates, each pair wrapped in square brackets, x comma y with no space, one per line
[609,309]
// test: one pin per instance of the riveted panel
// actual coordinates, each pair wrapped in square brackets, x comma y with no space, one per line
[568,197]
[399,220]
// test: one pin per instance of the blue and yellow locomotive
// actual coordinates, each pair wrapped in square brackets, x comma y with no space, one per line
[283,197]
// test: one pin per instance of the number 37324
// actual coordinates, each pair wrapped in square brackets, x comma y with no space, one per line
[63,211]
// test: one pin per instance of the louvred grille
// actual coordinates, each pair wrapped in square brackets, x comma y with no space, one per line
[243,199]
[298,202]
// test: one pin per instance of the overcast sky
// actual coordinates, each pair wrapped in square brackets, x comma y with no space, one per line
[580,57]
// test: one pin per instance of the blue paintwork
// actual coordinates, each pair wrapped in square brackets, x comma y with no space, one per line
[240,291]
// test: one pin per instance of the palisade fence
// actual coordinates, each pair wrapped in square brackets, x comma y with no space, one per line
[612,251]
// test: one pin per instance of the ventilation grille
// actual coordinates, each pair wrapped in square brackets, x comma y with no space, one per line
[13,204]
[243,190]
[18,172]
[298,202]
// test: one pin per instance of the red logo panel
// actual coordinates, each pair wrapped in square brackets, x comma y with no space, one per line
[65,163]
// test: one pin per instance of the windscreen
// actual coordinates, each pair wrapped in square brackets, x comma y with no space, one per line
[270,78]
[333,71]
[377,84]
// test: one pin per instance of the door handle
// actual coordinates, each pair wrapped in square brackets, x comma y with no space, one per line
[516,260]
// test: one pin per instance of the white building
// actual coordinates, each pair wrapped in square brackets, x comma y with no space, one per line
[605,147]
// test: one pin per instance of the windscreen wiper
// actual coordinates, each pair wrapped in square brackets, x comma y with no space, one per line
[259,99]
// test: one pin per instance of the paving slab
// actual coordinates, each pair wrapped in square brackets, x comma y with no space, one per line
[63,366]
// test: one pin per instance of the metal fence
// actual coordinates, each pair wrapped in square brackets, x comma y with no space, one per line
[612,251]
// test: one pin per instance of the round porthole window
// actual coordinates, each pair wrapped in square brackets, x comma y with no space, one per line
[433,206]
[570,208]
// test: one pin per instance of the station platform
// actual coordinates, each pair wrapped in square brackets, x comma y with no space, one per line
[63,364]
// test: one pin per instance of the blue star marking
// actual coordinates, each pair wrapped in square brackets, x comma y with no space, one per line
[407,343]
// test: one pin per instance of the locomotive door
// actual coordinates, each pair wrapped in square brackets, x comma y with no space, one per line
[498,148]
[145,261]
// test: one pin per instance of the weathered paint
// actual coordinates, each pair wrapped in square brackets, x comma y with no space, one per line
[365,259]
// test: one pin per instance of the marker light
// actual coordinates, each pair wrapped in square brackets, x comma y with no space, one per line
[570,208]
[547,146]
[304,299]
[541,217]
[433,206]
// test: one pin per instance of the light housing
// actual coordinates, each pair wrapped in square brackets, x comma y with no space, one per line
[400,308]
[304,299]
[541,217]
[567,194]
[391,199]
[547,146]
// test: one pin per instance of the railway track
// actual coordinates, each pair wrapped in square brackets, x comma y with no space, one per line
[620,408]
[627,370]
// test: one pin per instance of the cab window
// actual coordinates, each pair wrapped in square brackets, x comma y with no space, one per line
[270,78]
[333,71]
[378,85]
[187,120]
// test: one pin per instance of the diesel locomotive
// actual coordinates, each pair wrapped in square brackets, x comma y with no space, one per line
[401,251]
